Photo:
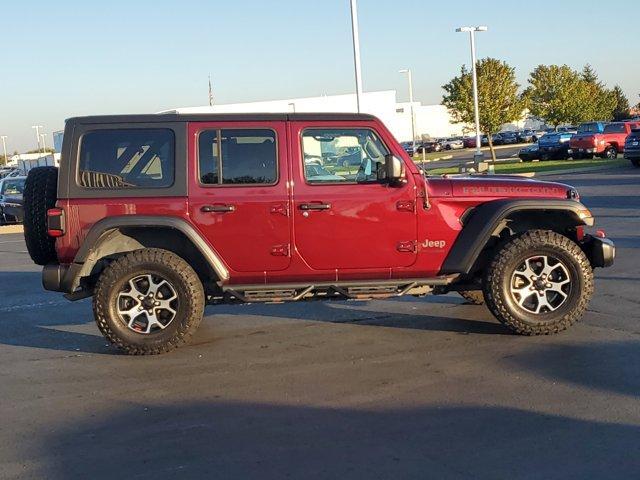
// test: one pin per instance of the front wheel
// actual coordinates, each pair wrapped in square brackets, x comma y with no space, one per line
[539,283]
[148,302]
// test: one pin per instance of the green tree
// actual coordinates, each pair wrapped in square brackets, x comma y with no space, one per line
[623,109]
[554,94]
[498,98]
[39,150]
[560,95]
[598,101]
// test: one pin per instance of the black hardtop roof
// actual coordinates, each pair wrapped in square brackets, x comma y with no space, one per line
[221,117]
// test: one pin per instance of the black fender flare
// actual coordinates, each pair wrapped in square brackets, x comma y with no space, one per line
[482,222]
[89,253]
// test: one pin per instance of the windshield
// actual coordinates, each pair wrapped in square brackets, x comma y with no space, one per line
[12,187]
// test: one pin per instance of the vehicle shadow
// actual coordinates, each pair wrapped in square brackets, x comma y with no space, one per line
[44,320]
[384,314]
[50,322]
[254,440]
[605,366]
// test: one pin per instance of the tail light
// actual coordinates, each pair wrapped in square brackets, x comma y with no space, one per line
[55,222]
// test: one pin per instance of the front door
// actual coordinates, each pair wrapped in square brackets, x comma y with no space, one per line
[238,194]
[344,217]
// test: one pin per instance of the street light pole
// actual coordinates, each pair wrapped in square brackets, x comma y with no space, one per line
[44,143]
[37,128]
[478,156]
[413,114]
[4,148]
[356,52]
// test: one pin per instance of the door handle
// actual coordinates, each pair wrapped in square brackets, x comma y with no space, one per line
[314,206]
[217,208]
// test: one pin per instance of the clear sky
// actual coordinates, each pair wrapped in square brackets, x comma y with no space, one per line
[69,57]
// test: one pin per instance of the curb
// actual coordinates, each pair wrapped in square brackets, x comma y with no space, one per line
[429,160]
[7,229]
[580,170]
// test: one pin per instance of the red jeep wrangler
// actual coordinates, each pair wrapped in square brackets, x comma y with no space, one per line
[157,215]
[605,142]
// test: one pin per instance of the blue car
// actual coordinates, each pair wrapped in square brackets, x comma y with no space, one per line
[554,146]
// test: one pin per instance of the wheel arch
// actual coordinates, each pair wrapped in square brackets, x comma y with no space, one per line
[115,236]
[488,223]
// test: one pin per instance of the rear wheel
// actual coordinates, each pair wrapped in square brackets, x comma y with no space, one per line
[148,302]
[539,283]
[611,153]
[40,194]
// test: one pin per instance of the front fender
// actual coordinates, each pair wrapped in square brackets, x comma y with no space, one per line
[484,220]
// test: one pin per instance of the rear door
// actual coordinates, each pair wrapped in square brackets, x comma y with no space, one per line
[344,217]
[238,194]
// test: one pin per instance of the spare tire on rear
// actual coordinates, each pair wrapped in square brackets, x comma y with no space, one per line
[40,194]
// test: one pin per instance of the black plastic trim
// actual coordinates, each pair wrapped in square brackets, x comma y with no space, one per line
[218,117]
[85,258]
[482,222]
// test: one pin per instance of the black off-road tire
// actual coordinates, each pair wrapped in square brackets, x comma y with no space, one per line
[474,297]
[498,277]
[149,261]
[40,194]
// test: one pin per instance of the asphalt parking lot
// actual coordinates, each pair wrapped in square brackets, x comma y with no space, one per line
[411,388]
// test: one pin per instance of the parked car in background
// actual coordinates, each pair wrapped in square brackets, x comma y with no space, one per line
[408,147]
[505,138]
[526,135]
[582,144]
[538,134]
[429,146]
[453,143]
[9,172]
[632,147]
[529,153]
[554,146]
[470,142]
[11,209]
[605,144]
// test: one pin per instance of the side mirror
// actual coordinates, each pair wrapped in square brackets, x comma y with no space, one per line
[394,169]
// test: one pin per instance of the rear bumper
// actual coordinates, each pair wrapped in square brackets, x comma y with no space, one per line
[600,251]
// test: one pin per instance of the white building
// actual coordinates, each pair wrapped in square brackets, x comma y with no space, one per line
[27,161]
[431,120]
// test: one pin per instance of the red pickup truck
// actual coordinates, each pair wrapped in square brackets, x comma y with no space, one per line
[605,143]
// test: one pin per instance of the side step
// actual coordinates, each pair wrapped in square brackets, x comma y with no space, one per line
[362,290]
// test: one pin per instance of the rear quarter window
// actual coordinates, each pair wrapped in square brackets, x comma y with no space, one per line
[127,158]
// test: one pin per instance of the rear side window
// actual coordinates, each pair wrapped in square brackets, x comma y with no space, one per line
[615,128]
[589,128]
[127,158]
[237,157]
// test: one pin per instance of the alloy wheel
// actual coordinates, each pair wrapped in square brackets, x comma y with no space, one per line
[540,284]
[147,303]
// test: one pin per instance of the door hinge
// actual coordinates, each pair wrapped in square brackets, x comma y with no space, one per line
[405,206]
[280,250]
[408,246]
[281,209]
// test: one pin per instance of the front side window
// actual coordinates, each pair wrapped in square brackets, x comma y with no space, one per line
[237,157]
[127,158]
[342,156]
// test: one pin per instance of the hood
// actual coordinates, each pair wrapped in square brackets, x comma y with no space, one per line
[497,186]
